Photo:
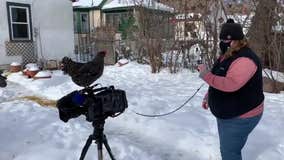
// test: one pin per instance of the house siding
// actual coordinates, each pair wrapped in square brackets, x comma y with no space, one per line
[95,19]
[4,36]
[52,27]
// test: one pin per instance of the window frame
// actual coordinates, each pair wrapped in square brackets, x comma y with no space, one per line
[81,30]
[27,7]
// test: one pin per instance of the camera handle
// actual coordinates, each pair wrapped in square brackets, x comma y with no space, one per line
[100,138]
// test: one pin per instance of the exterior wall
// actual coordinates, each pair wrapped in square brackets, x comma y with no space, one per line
[103,19]
[4,36]
[52,25]
[163,28]
[95,19]
[94,22]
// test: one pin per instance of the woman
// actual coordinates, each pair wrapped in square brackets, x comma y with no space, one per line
[235,96]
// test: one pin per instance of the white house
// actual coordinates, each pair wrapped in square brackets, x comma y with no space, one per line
[35,29]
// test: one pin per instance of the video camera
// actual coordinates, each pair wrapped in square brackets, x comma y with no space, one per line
[94,103]
[3,79]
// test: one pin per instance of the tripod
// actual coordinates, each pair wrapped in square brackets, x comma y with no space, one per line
[100,139]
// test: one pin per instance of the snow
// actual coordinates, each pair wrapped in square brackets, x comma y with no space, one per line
[32,132]
[33,68]
[276,75]
[31,65]
[152,4]
[43,74]
[122,3]
[122,62]
[187,16]
[15,64]
[87,3]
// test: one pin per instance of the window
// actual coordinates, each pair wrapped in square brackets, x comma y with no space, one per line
[109,19]
[114,19]
[75,20]
[81,22]
[19,17]
[84,20]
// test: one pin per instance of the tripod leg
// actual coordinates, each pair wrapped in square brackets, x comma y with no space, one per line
[86,147]
[108,148]
[100,149]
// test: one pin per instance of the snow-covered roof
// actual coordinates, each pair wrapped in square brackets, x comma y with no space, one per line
[152,4]
[111,4]
[187,16]
[87,3]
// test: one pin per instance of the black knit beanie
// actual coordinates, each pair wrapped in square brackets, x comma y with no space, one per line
[231,31]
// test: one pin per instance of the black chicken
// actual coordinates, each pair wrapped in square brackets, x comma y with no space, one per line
[84,74]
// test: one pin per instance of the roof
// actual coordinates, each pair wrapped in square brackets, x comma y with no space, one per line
[112,4]
[151,4]
[87,3]
[188,16]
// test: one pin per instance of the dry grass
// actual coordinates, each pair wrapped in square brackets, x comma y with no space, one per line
[41,101]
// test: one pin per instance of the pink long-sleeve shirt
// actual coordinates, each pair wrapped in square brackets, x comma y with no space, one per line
[238,74]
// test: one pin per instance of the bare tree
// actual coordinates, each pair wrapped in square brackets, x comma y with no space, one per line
[154,31]
[199,22]
[266,37]
[196,28]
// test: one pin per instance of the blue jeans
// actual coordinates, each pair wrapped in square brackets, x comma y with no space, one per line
[233,134]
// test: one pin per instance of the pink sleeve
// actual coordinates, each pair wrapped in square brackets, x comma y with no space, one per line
[238,74]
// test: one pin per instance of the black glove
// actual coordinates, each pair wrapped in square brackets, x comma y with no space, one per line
[3,82]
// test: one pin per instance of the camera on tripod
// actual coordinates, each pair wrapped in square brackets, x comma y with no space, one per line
[94,103]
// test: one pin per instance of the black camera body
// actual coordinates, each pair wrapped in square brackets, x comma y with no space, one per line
[3,82]
[94,103]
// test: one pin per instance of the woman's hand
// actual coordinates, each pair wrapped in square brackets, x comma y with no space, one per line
[202,67]
[205,102]
[205,105]
[203,70]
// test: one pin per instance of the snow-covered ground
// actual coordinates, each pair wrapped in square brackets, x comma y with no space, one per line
[276,75]
[29,131]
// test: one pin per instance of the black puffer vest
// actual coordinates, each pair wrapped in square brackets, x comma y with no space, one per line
[227,105]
